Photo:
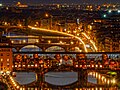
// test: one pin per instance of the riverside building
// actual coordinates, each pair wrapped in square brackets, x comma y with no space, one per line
[6,58]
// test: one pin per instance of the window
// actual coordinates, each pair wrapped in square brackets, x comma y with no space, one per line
[8,64]
[8,60]
[1,59]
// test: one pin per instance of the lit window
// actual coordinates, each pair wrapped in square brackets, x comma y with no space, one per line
[15,65]
[8,64]
[1,59]
[8,60]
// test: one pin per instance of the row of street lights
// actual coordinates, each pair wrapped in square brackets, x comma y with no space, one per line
[103,79]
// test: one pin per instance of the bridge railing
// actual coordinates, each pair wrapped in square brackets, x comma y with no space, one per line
[24,61]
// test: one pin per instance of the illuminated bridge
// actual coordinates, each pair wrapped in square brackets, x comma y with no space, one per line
[84,68]
[43,39]
[37,43]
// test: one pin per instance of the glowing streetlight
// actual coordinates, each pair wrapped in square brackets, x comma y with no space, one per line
[35,25]
[18,87]
[37,41]
[118,11]
[65,30]
[19,25]
[78,34]
[24,41]
[6,23]
[109,11]
[68,31]
[104,15]
[72,42]
[46,15]
[0,5]
[61,42]
[12,41]
[49,41]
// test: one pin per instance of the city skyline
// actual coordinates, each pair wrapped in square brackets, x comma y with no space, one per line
[61,1]
[59,44]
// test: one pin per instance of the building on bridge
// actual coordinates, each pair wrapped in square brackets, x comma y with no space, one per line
[6,58]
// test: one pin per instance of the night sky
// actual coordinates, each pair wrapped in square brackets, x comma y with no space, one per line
[62,1]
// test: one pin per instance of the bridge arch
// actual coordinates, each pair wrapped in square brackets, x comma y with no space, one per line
[71,35]
[55,48]
[79,38]
[14,49]
[60,78]
[30,48]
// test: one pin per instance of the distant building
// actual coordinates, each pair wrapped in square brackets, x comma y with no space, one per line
[108,33]
[6,58]
[21,5]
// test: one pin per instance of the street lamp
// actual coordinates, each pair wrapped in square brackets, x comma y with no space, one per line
[49,41]
[61,42]
[109,11]
[46,15]
[12,41]
[118,11]
[78,34]
[71,42]
[37,41]
[104,15]
[24,41]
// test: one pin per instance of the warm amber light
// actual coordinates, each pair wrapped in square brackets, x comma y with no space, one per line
[49,41]
[46,15]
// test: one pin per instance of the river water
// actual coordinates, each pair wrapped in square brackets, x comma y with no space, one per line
[61,79]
